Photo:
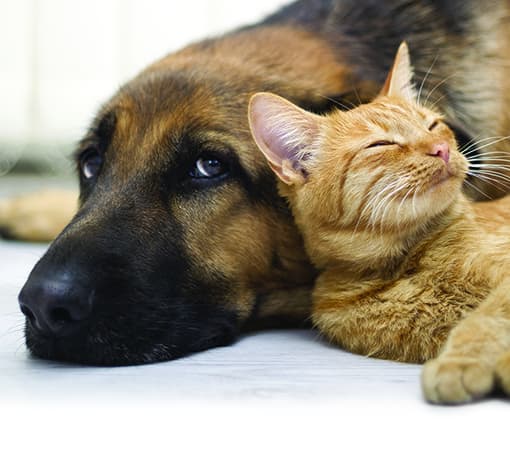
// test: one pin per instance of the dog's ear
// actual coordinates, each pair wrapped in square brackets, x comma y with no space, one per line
[285,134]
[399,81]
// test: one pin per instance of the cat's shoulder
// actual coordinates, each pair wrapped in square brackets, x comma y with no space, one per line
[493,214]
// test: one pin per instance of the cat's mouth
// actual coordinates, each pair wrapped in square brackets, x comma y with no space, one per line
[440,177]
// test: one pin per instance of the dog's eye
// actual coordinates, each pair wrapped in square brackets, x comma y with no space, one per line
[90,164]
[208,167]
[381,143]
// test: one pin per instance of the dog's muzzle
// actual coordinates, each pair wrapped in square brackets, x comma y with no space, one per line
[58,305]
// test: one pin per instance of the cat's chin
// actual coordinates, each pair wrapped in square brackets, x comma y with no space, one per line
[440,193]
[441,178]
[446,183]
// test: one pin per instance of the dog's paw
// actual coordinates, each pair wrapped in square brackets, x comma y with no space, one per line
[37,217]
[503,372]
[456,380]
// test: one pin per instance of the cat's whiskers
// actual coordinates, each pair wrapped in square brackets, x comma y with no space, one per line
[413,203]
[374,203]
[485,162]
[491,164]
[338,103]
[389,203]
[401,204]
[499,164]
[491,175]
[436,102]
[487,172]
[478,148]
[495,182]
[492,169]
[373,199]
[357,95]
[425,104]
[474,141]
[425,78]
[473,186]
[400,183]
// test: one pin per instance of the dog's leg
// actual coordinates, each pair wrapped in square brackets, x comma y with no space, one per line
[37,217]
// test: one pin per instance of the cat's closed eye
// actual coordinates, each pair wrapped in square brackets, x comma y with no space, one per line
[433,125]
[381,143]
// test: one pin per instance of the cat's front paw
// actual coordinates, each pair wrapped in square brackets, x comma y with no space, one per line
[456,380]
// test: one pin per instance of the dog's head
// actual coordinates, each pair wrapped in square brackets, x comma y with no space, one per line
[181,237]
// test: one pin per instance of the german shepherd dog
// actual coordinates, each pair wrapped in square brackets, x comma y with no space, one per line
[181,239]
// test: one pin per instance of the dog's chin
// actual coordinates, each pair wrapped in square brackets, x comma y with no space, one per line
[112,349]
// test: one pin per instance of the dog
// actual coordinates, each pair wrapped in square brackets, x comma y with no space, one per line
[181,240]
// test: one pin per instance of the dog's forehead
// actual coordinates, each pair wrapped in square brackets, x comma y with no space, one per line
[155,113]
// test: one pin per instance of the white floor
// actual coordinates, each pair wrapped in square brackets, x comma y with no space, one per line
[293,364]
[279,398]
[274,364]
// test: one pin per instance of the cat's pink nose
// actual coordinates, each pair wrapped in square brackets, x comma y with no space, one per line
[440,150]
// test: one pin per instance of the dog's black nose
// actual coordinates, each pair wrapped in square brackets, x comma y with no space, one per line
[57,306]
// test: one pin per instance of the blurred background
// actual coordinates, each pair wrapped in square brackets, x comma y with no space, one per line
[60,59]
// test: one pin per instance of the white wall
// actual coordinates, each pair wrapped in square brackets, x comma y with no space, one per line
[59,59]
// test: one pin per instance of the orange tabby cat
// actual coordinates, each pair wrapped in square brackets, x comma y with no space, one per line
[410,269]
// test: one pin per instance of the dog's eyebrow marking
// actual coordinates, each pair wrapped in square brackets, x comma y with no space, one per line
[105,128]
[100,134]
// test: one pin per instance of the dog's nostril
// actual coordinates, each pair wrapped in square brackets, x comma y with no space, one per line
[59,315]
[55,307]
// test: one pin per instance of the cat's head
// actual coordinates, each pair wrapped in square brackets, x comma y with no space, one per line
[387,166]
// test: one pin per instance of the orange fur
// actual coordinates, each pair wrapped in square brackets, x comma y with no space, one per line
[411,270]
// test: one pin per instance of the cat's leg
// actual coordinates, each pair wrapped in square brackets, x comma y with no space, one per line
[402,321]
[474,354]
[503,372]
[37,217]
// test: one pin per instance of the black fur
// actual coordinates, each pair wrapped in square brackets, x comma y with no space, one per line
[148,305]
[141,313]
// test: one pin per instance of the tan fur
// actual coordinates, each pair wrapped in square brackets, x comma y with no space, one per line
[247,262]
[201,93]
[411,270]
[268,53]
[38,217]
[481,81]
[267,271]
[306,62]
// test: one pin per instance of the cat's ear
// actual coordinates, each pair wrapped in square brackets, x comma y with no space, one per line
[400,78]
[284,133]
